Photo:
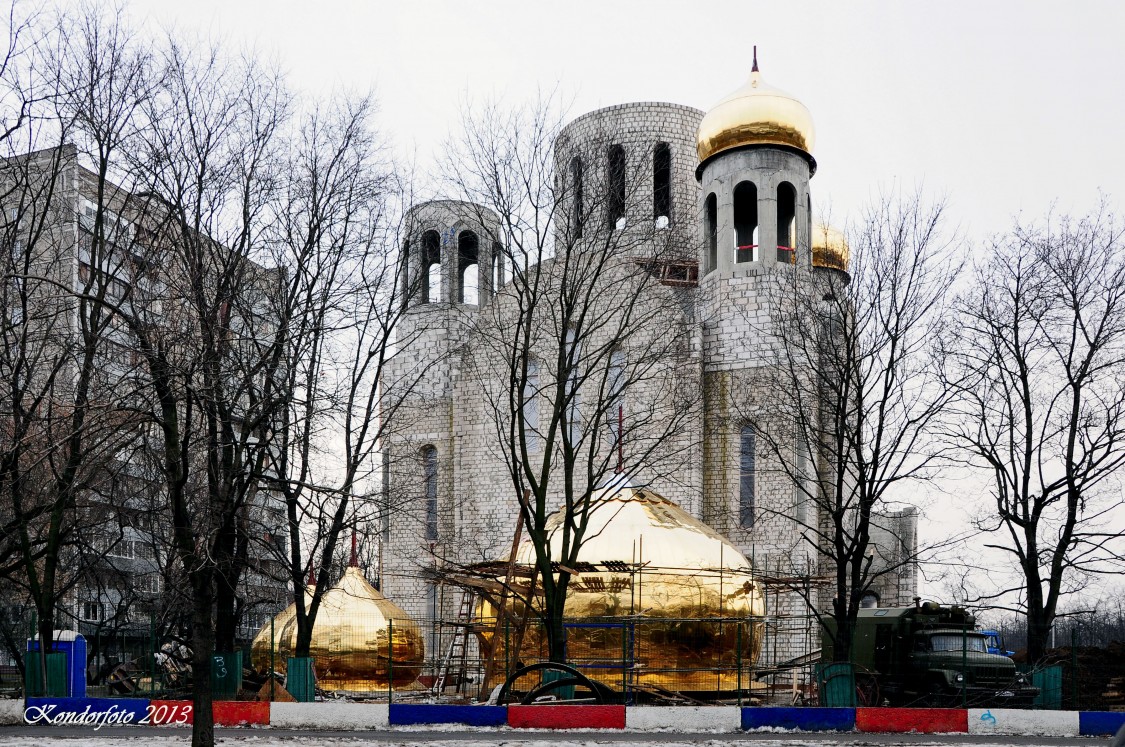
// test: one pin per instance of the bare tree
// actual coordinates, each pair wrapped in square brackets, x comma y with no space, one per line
[337,239]
[857,399]
[589,334]
[1038,360]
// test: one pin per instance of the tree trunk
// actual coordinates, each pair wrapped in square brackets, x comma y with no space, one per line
[202,647]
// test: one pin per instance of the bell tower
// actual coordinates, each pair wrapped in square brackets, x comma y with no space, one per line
[755,163]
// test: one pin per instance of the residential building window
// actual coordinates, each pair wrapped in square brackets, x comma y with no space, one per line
[430,471]
[92,611]
[746,477]
[746,222]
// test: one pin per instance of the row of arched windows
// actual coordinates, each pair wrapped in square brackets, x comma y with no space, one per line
[427,284]
[745,219]
[616,196]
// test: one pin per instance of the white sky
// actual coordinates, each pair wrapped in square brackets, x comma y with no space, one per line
[1005,107]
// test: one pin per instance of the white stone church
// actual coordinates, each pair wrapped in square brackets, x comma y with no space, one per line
[723,198]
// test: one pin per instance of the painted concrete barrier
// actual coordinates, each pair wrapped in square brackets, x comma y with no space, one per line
[87,712]
[921,720]
[332,715]
[1018,722]
[11,712]
[1099,723]
[684,718]
[804,719]
[408,714]
[225,712]
[566,716]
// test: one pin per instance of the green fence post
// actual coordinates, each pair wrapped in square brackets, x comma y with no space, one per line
[1074,666]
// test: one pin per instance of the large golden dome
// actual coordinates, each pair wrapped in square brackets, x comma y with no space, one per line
[830,248]
[670,579]
[350,639]
[756,114]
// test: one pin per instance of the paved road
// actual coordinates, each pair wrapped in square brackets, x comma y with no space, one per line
[49,736]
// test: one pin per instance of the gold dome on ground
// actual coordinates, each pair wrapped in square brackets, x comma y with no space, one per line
[685,594]
[830,248]
[350,643]
[755,114]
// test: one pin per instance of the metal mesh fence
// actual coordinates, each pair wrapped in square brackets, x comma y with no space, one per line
[639,660]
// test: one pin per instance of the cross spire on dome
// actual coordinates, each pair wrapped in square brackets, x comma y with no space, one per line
[754,69]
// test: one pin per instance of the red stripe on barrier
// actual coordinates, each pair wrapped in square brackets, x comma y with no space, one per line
[921,720]
[566,716]
[226,713]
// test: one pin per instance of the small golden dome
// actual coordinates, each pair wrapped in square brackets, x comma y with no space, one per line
[755,114]
[350,648]
[829,248]
[646,556]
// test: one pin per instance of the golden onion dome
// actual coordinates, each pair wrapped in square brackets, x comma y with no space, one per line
[756,114]
[645,556]
[351,639]
[830,248]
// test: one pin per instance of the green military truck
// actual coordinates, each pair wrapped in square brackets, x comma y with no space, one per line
[928,655]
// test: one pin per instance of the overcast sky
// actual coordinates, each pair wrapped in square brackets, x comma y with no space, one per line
[1003,106]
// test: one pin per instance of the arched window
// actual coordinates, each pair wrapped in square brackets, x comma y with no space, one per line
[573,393]
[576,198]
[786,223]
[711,220]
[615,200]
[430,276]
[746,222]
[530,406]
[746,449]
[430,481]
[468,267]
[662,185]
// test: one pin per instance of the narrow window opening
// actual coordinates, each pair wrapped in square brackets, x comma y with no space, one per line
[662,185]
[430,285]
[805,484]
[746,222]
[576,196]
[530,406]
[430,471]
[786,223]
[497,266]
[616,197]
[746,478]
[615,387]
[711,219]
[468,267]
[573,394]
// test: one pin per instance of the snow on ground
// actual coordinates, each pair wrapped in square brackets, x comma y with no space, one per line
[543,739]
